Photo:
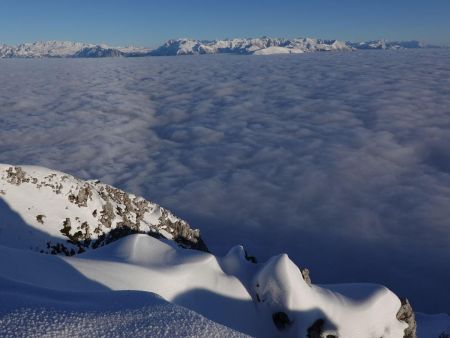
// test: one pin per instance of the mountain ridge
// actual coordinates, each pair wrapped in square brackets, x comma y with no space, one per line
[185,46]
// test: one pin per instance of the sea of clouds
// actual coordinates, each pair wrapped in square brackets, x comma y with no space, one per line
[342,160]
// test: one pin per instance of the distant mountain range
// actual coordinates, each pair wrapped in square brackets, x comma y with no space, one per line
[258,46]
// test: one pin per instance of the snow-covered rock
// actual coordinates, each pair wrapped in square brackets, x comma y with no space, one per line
[53,212]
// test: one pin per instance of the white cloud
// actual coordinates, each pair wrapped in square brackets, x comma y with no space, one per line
[341,160]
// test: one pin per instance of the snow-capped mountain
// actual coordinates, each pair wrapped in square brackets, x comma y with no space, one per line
[384,44]
[261,46]
[64,49]
[52,212]
[43,49]
[257,46]
[123,266]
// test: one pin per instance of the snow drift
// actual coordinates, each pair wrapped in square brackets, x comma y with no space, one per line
[156,286]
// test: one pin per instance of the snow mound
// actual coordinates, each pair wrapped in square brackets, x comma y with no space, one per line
[264,300]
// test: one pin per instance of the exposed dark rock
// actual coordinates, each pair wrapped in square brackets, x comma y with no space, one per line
[250,258]
[84,194]
[107,215]
[15,175]
[281,320]
[66,227]
[445,334]
[182,232]
[317,330]
[58,248]
[406,314]
[40,218]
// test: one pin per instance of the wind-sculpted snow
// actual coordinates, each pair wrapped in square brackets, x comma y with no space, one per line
[263,300]
[339,159]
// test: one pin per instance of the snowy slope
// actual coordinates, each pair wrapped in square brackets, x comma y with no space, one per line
[53,212]
[117,287]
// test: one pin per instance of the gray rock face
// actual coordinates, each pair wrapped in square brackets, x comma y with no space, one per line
[406,314]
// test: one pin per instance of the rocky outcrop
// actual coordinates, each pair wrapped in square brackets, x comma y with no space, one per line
[445,334]
[15,175]
[88,214]
[406,314]
[318,330]
[305,275]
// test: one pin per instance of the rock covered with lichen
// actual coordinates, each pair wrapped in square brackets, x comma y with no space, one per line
[56,213]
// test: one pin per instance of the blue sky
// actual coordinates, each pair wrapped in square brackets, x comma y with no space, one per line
[151,22]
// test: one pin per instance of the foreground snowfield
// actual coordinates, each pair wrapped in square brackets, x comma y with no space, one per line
[225,290]
[29,311]
[87,295]
[139,285]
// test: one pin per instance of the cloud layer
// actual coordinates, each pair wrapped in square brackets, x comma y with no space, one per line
[340,160]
